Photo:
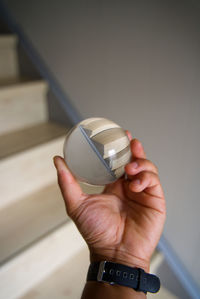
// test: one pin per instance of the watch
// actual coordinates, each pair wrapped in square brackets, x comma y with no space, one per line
[114,273]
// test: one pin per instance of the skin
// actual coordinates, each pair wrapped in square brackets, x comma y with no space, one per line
[124,223]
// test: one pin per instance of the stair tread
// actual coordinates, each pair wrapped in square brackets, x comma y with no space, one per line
[23,173]
[29,219]
[18,84]
[7,82]
[22,103]
[66,282]
[8,40]
[26,138]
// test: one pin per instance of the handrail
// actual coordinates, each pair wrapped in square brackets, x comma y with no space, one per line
[178,268]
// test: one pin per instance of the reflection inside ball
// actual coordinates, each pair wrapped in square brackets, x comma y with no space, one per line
[96,151]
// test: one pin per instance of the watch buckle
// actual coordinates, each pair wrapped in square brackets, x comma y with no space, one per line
[101,271]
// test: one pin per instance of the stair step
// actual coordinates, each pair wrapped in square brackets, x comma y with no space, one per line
[8,57]
[26,138]
[26,220]
[8,40]
[66,282]
[7,82]
[22,104]
[25,270]
[28,171]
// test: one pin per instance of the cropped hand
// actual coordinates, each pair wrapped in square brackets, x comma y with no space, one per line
[125,222]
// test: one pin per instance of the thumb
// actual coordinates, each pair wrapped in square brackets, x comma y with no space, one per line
[70,188]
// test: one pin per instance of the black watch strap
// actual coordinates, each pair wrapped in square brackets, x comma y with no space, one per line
[114,273]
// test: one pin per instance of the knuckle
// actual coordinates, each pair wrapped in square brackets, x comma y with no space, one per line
[152,166]
[149,175]
[147,164]
[156,168]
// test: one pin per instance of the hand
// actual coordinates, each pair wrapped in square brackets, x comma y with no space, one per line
[125,222]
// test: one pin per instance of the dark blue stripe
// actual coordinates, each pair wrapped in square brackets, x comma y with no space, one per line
[179,269]
[96,151]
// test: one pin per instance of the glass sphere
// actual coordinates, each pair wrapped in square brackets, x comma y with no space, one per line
[96,151]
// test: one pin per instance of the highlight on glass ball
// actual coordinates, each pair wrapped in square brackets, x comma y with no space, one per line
[96,151]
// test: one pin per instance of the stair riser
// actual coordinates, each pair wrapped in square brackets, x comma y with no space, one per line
[22,105]
[8,64]
[33,265]
[27,172]
[8,58]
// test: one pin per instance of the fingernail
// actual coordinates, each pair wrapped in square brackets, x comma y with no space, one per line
[135,165]
[129,135]
[58,162]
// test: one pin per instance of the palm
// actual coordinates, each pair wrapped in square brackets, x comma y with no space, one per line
[121,219]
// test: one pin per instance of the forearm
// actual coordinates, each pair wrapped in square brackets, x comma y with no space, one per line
[98,290]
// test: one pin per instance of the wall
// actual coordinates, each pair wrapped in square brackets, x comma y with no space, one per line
[136,62]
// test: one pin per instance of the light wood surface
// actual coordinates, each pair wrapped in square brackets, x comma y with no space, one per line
[8,40]
[28,171]
[66,282]
[22,104]
[8,57]
[37,262]
[120,158]
[36,236]
[111,139]
[26,220]
[94,126]
[10,82]
[23,139]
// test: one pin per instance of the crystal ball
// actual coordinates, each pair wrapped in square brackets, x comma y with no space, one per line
[96,151]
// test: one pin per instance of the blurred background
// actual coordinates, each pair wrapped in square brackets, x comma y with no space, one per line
[134,62]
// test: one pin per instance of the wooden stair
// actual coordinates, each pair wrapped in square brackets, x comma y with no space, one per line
[22,104]
[24,270]
[9,67]
[30,218]
[18,141]
[36,235]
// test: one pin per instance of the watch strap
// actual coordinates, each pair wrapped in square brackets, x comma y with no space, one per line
[114,273]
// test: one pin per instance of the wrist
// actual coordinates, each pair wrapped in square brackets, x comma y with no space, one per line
[96,290]
[120,257]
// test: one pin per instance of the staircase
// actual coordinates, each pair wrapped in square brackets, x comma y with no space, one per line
[42,255]
[36,237]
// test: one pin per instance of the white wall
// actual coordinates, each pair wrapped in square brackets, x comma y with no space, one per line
[138,63]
